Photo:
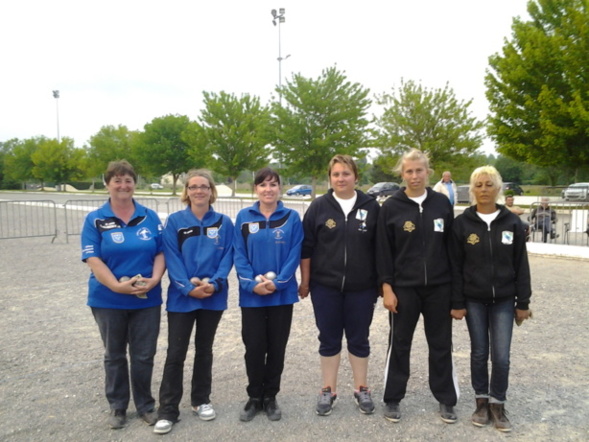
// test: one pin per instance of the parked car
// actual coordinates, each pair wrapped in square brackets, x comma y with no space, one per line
[383,190]
[576,192]
[300,190]
[513,187]
[156,186]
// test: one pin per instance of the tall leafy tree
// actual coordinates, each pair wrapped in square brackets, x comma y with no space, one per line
[318,118]
[165,147]
[236,132]
[58,161]
[110,143]
[537,87]
[19,159]
[432,120]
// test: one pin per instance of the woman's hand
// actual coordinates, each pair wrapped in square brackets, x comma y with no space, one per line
[458,313]
[266,287]
[304,291]
[522,315]
[389,299]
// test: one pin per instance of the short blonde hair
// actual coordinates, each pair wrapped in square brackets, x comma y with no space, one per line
[201,173]
[413,155]
[493,175]
[346,160]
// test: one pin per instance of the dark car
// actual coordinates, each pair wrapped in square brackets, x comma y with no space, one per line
[383,190]
[513,187]
[300,190]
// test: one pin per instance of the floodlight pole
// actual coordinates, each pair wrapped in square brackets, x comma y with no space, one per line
[278,17]
[56,96]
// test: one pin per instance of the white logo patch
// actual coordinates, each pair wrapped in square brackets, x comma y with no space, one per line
[212,232]
[117,237]
[439,225]
[507,237]
[254,227]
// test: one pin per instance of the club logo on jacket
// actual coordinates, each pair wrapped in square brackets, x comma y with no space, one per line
[439,225]
[507,237]
[330,223]
[278,234]
[409,226]
[473,239]
[117,237]
[212,232]
[144,234]
[254,227]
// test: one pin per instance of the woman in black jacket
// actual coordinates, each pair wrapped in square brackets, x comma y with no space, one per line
[490,286]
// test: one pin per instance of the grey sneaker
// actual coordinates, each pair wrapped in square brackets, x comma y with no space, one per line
[392,411]
[250,410]
[117,419]
[272,409]
[163,426]
[364,400]
[150,417]
[447,414]
[326,402]
[205,412]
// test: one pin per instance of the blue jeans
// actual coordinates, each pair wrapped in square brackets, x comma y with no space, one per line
[490,327]
[180,327]
[138,328]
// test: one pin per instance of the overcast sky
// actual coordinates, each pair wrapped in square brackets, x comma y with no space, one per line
[129,61]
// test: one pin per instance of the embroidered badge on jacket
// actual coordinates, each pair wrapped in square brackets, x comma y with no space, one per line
[409,226]
[473,239]
[330,223]
[507,237]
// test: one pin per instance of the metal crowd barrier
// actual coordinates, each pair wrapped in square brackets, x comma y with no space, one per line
[571,226]
[28,219]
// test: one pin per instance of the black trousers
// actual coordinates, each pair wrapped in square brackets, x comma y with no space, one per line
[265,332]
[434,304]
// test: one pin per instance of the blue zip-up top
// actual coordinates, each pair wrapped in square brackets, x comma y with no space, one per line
[126,249]
[262,245]
[201,248]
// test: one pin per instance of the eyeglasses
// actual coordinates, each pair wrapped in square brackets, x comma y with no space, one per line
[198,187]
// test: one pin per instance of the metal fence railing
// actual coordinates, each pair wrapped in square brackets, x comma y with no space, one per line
[28,219]
[571,225]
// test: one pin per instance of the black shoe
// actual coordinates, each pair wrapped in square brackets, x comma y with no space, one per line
[250,410]
[392,411]
[117,419]
[272,409]
[447,414]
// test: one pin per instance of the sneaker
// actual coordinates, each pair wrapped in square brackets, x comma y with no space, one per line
[499,417]
[205,412]
[250,410]
[272,409]
[326,402]
[392,411]
[480,417]
[117,419]
[163,426]
[447,414]
[150,418]
[364,400]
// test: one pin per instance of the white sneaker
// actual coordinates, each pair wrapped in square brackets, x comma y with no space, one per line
[163,426]
[205,412]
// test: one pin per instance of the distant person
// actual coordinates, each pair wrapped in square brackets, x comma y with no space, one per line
[338,268]
[447,187]
[122,245]
[267,246]
[413,233]
[198,246]
[509,200]
[491,288]
[542,219]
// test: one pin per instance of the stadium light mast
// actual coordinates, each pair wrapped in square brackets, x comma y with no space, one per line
[56,96]
[277,19]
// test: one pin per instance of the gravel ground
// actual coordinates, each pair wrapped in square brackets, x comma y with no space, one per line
[51,373]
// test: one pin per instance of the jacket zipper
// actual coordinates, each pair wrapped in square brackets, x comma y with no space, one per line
[492,262]
[423,244]
[345,251]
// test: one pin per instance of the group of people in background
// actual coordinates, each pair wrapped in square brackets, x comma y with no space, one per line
[350,250]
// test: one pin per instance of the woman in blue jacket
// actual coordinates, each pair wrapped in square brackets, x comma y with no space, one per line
[491,287]
[267,248]
[198,246]
[122,245]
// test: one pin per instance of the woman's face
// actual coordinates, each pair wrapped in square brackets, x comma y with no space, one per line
[268,191]
[342,180]
[198,190]
[484,190]
[121,187]
[415,175]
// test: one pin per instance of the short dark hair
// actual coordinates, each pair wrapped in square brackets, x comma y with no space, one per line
[119,168]
[264,173]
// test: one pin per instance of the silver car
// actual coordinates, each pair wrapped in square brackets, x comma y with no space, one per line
[576,192]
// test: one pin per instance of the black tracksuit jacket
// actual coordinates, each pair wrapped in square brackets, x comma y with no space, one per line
[489,265]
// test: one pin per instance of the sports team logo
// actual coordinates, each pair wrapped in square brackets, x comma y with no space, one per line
[254,227]
[409,226]
[212,232]
[473,239]
[278,234]
[507,237]
[144,234]
[439,225]
[330,223]
[117,237]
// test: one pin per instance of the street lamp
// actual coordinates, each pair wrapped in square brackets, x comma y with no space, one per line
[56,96]
[278,17]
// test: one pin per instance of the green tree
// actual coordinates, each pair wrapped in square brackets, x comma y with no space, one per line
[58,162]
[434,121]
[110,143]
[236,132]
[320,118]
[19,159]
[537,88]
[165,147]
